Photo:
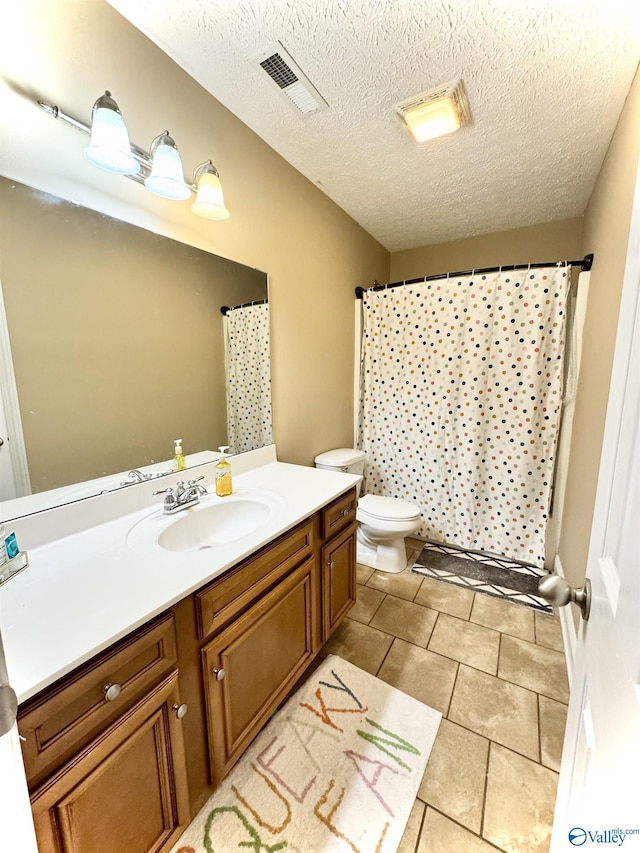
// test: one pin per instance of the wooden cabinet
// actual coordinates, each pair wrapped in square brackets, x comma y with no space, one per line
[104,753]
[105,750]
[338,579]
[251,666]
[126,791]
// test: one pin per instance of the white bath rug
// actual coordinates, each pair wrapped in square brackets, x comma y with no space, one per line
[336,769]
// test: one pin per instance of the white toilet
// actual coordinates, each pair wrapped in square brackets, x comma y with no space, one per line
[384,522]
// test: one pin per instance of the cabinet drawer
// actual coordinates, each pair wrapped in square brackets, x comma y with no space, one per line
[65,718]
[340,514]
[225,598]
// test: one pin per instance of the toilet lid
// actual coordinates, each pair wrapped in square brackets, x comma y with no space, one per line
[390,508]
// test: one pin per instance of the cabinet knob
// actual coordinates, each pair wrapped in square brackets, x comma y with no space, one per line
[345,512]
[219,674]
[180,710]
[112,691]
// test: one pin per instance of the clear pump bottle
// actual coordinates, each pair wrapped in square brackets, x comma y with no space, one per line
[224,485]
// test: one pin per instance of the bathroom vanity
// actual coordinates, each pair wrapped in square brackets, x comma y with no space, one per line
[149,668]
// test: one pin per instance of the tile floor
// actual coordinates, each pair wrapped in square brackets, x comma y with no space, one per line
[497,673]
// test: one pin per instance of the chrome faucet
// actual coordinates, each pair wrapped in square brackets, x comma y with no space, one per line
[136,476]
[183,496]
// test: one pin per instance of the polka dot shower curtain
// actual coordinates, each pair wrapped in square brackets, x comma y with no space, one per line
[248,374]
[460,404]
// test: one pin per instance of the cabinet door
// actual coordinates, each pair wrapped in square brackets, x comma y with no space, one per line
[338,579]
[126,792]
[251,666]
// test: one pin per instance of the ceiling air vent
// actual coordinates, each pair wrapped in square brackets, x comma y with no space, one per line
[276,63]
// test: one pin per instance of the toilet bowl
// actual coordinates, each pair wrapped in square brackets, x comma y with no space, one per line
[383,523]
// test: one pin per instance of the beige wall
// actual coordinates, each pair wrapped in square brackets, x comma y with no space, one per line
[68,52]
[606,232]
[550,241]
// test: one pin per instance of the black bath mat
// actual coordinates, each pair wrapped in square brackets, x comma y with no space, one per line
[493,575]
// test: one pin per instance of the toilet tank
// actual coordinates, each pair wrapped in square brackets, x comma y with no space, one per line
[349,460]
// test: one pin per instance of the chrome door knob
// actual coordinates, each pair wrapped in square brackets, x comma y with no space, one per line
[557,591]
[112,691]
[180,710]
[219,674]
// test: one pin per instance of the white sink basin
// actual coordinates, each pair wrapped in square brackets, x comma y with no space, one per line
[210,524]
[214,524]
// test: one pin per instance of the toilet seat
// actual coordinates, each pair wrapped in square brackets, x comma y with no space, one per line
[387,509]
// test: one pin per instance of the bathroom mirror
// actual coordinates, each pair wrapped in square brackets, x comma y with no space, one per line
[117,341]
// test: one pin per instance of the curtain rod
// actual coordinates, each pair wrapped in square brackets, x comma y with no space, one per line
[226,308]
[586,264]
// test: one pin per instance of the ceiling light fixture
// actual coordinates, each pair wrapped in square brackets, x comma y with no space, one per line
[436,112]
[159,169]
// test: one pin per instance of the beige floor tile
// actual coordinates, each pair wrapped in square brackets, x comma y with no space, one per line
[420,673]
[466,642]
[441,835]
[455,776]
[534,667]
[445,597]
[412,830]
[553,719]
[548,631]
[403,585]
[520,803]
[363,573]
[405,619]
[496,709]
[367,602]
[359,644]
[513,619]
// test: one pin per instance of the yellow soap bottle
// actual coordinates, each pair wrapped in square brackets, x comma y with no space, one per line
[179,462]
[223,474]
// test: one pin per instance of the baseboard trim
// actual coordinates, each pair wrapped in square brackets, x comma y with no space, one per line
[569,633]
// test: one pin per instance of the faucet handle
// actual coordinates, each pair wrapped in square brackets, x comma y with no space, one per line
[197,480]
[163,491]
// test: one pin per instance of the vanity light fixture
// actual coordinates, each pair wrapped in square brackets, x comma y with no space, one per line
[159,169]
[166,179]
[110,148]
[436,112]
[209,201]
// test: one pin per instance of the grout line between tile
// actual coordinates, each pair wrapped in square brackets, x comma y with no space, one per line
[486,785]
[419,835]
[466,828]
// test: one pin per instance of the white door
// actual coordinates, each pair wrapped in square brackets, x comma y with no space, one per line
[598,804]
[7,480]
[16,824]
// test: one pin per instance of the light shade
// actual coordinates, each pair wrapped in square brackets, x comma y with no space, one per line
[209,201]
[435,113]
[166,178]
[109,147]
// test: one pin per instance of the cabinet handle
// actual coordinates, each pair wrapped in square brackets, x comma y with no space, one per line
[330,564]
[219,674]
[345,512]
[180,710]
[112,691]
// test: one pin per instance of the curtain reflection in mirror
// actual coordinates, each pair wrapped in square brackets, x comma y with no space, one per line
[248,377]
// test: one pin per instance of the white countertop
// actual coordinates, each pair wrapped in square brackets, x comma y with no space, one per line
[92,587]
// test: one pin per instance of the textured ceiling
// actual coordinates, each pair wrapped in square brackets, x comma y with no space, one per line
[546,81]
